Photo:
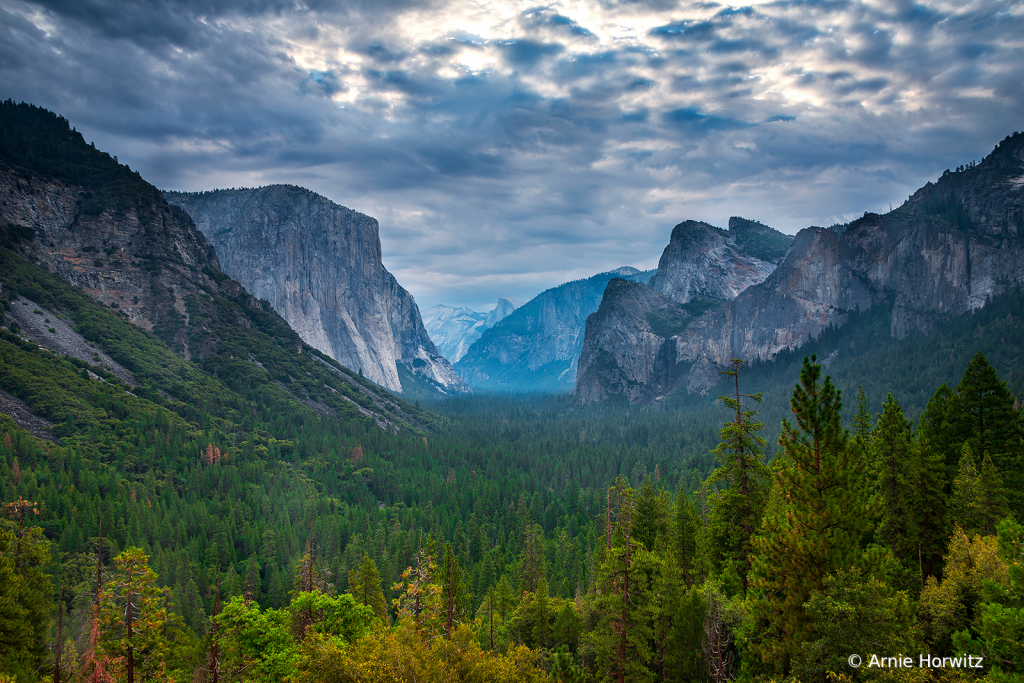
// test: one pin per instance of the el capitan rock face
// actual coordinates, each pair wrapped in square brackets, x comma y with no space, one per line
[951,246]
[319,266]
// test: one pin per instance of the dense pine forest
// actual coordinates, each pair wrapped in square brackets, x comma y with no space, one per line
[244,515]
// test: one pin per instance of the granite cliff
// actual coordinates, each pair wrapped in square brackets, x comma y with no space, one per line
[97,225]
[319,265]
[705,262]
[453,330]
[536,347]
[952,245]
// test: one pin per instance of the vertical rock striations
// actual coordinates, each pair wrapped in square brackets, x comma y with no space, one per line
[319,266]
[954,244]
[630,349]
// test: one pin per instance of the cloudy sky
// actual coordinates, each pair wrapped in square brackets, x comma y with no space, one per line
[506,147]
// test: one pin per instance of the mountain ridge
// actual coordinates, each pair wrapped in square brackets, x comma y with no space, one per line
[319,265]
[950,247]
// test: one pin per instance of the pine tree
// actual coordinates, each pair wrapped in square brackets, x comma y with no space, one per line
[736,511]
[966,510]
[862,420]
[936,425]
[892,462]
[504,598]
[686,533]
[365,586]
[651,526]
[622,640]
[993,495]
[134,619]
[816,528]
[24,592]
[541,616]
[454,593]
[978,502]
[985,417]
[929,506]
[419,593]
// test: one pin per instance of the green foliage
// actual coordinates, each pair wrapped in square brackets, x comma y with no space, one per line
[951,605]
[816,529]
[134,620]
[978,502]
[364,585]
[737,510]
[895,479]
[986,419]
[1000,629]
[24,595]
[856,613]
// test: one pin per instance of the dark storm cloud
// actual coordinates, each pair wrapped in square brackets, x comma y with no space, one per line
[504,158]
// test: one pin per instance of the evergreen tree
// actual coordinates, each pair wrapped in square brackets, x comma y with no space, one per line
[622,639]
[24,592]
[986,418]
[651,525]
[686,533]
[817,528]
[862,420]
[929,507]
[937,426]
[454,593]
[134,619]
[365,586]
[993,495]
[419,593]
[892,465]
[736,511]
[504,598]
[978,502]
[541,616]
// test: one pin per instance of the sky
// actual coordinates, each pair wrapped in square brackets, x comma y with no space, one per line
[506,147]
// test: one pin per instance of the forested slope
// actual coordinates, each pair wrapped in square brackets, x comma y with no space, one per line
[262,527]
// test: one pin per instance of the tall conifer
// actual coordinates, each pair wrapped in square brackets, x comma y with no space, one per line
[817,526]
[985,417]
[736,511]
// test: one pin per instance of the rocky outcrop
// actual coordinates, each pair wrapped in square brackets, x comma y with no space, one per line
[704,262]
[503,309]
[141,257]
[953,244]
[319,265]
[537,347]
[628,352]
[454,330]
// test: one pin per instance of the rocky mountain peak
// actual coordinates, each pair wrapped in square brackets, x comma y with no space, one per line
[319,265]
[953,245]
[702,261]
[503,309]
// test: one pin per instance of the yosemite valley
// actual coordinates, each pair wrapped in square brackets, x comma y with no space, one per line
[235,449]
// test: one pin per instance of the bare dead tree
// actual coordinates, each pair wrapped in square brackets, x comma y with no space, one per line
[716,641]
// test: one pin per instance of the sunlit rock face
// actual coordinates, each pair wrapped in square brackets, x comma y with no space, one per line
[952,245]
[319,265]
